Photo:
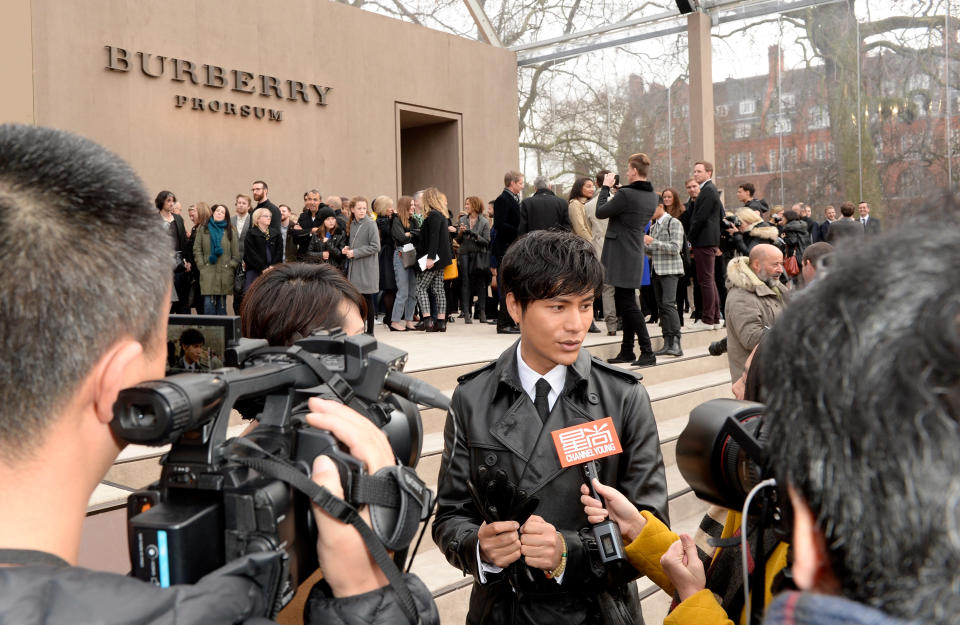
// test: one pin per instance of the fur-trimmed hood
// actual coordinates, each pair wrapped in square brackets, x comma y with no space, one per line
[741,276]
[770,233]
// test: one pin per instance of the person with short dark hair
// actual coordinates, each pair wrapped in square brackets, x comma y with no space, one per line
[629,212]
[795,237]
[745,193]
[704,235]
[845,230]
[506,221]
[820,232]
[500,420]
[295,299]
[813,258]
[871,225]
[62,192]
[309,221]
[866,448]
[194,355]
[260,191]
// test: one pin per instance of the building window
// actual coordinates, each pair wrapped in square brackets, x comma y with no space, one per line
[788,100]
[748,107]
[918,81]
[920,105]
[722,110]
[782,126]
[742,131]
[819,117]
[774,160]
[821,151]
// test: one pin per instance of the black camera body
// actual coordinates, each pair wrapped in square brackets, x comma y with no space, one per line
[211,507]
[731,221]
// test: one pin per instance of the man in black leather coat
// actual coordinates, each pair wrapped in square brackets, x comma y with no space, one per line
[542,569]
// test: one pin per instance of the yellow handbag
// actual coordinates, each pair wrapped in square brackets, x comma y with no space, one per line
[450,271]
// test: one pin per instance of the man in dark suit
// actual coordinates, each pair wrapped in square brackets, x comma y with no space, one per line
[705,241]
[846,229]
[260,191]
[820,232]
[543,210]
[506,222]
[871,225]
[629,211]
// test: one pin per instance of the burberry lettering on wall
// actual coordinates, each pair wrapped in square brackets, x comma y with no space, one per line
[216,77]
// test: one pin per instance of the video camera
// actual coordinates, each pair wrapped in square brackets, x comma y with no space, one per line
[220,499]
[731,221]
[721,454]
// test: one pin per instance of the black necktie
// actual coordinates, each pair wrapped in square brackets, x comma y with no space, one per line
[541,403]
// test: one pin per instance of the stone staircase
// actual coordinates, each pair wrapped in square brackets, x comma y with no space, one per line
[675,386]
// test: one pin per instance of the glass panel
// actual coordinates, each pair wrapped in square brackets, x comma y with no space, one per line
[904,103]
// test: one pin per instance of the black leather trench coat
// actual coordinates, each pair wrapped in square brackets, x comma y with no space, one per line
[494,423]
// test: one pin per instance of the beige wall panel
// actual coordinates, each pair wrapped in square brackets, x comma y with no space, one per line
[347,147]
[16,60]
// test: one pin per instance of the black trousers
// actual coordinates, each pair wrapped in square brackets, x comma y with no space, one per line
[665,288]
[633,323]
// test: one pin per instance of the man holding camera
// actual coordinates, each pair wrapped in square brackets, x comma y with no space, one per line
[507,510]
[78,218]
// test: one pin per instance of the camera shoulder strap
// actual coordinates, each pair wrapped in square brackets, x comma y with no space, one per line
[344,512]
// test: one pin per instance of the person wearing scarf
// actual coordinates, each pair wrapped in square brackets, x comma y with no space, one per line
[217,260]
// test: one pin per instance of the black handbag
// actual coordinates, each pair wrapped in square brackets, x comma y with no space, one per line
[239,278]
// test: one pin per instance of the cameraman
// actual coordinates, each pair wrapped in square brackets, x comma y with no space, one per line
[77,227]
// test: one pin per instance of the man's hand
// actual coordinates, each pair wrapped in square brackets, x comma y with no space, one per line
[541,546]
[619,509]
[499,543]
[683,566]
[297,227]
[347,565]
[609,179]
[186,265]
[325,255]
[647,239]
[347,252]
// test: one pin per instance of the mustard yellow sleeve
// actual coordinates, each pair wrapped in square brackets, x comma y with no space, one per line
[701,608]
[648,547]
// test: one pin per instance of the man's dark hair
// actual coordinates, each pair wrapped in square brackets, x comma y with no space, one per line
[548,263]
[78,227]
[600,176]
[265,186]
[192,336]
[749,188]
[847,208]
[815,252]
[791,215]
[292,300]
[161,199]
[866,427]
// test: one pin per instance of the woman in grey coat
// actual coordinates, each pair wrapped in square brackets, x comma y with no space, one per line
[363,251]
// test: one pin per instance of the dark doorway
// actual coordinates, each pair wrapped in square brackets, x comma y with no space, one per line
[429,150]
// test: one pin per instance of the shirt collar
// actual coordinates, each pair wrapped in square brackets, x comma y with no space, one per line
[705,182]
[557,377]
[663,218]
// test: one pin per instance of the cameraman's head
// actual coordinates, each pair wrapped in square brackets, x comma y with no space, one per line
[550,279]
[291,301]
[87,269]
[866,426]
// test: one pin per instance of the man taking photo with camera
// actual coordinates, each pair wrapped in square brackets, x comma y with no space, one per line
[77,227]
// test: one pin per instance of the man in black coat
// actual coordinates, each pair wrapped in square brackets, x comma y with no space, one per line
[705,241]
[260,191]
[506,222]
[536,564]
[309,220]
[846,229]
[629,212]
[543,210]
[823,228]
